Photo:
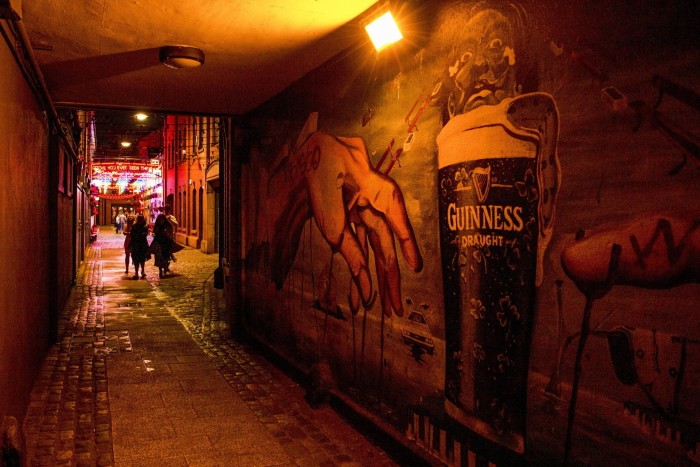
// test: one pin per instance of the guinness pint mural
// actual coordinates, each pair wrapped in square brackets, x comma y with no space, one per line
[498,180]
[401,242]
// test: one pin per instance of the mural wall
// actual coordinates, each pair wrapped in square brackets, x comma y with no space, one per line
[488,235]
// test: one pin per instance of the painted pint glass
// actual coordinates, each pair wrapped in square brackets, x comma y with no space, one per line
[498,179]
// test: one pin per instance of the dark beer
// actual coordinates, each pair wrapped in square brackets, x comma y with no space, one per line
[490,196]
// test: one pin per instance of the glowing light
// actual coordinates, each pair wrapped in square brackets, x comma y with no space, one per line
[141,116]
[383,31]
[126,144]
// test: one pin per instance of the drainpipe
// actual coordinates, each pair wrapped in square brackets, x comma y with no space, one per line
[37,79]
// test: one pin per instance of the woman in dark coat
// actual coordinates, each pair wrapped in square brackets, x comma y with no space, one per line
[162,244]
[127,242]
[139,245]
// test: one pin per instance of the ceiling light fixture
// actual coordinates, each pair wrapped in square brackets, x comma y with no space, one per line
[126,144]
[141,116]
[383,31]
[175,56]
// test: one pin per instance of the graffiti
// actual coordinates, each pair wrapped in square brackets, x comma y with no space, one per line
[367,116]
[673,250]
[656,264]
[331,180]
[484,359]
[415,332]
[411,120]
[482,72]
[304,161]
[494,154]
[650,267]
[487,224]
[677,134]
[326,293]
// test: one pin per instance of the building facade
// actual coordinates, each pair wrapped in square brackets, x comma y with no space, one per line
[191,179]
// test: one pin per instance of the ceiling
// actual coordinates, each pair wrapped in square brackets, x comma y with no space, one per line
[114,127]
[97,54]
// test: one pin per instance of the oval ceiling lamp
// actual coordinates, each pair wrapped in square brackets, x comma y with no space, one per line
[177,56]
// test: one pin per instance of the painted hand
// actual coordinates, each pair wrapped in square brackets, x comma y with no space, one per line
[331,179]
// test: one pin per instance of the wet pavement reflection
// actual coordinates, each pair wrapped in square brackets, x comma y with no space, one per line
[144,371]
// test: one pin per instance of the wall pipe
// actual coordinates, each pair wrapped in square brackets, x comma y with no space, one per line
[31,66]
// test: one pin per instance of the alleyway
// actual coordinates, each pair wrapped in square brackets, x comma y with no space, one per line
[144,374]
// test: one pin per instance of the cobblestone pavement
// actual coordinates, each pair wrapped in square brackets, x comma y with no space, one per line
[143,371]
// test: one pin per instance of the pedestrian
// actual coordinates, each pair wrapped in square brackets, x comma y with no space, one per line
[120,221]
[139,245]
[172,220]
[162,244]
[127,242]
[170,216]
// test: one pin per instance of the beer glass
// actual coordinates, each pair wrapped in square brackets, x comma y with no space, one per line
[498,178]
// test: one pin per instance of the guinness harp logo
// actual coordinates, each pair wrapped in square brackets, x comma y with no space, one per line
[481,181]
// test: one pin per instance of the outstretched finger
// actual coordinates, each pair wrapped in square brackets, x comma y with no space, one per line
[388,274]
[325,173]
[387,198]
[350,249]
[329,213]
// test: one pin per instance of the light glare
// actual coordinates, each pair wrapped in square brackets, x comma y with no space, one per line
[383,31]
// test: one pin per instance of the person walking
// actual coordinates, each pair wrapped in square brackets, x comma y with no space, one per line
[162,244]
[127,242]
[120,221]
[139,246]
[168,210]
[172,220]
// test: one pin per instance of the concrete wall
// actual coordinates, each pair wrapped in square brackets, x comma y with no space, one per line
[25,227]
[455,334]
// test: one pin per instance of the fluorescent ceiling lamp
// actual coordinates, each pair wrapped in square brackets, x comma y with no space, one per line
[383,31]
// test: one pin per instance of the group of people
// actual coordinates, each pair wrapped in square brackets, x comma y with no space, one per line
[120,221]
[162,247]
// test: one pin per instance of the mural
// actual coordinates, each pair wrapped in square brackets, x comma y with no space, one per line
[496,211]
[331,179]
[656,253]
[498,180]
[501,332]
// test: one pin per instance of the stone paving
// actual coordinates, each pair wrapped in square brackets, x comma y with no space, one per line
[144,372]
